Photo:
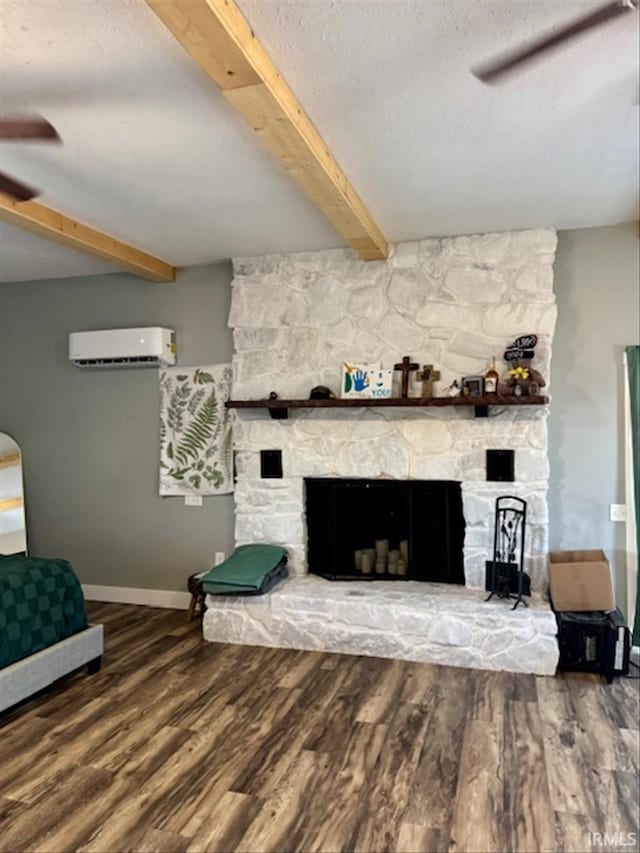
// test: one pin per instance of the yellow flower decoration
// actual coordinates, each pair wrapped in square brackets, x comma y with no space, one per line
[519,373]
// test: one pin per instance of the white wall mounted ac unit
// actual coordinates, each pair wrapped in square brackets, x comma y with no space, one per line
[150,346]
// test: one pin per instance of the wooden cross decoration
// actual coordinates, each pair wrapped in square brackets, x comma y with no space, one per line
[428,376]
[406,367]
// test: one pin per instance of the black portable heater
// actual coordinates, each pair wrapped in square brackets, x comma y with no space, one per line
[594,641]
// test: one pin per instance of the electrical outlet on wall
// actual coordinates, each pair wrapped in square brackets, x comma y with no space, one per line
[219,558]
[193,500]
[617,512]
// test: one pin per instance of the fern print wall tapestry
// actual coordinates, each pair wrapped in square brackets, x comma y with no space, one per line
[195,431]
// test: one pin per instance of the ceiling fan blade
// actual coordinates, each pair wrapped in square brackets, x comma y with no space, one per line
[27,128]
[495,68]
[21,192]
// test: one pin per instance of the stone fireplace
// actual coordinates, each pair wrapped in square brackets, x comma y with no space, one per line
[450,302]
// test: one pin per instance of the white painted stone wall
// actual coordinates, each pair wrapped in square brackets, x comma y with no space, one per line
[451,302]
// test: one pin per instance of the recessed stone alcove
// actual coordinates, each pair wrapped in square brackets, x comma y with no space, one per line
[346,515]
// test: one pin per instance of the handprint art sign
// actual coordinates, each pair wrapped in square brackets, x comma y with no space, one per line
[366,381]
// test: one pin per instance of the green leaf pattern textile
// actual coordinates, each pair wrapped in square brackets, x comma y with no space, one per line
[195,431]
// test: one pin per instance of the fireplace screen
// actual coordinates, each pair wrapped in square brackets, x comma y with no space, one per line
[385,529]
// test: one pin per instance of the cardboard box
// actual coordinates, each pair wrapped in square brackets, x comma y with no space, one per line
[580,581]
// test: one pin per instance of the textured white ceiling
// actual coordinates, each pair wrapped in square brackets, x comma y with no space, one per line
[153,154]
[433,150]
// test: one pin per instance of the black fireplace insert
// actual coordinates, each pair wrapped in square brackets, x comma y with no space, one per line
[421,522]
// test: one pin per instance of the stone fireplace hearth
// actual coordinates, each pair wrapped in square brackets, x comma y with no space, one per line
[453,303]
[432,623]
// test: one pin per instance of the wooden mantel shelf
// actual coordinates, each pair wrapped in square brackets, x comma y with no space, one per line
[279,409]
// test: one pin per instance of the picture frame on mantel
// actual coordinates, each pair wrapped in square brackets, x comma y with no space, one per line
[472,386]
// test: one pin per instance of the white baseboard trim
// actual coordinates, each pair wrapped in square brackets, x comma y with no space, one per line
[131,595]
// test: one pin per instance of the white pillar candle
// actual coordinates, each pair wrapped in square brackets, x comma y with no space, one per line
[382,548]
[366,563]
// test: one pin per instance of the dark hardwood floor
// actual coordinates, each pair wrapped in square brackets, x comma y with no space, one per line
[178,744]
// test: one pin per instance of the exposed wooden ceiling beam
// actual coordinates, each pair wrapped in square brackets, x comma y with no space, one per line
[9,460]
[11,503]
[55,226]
[217,36]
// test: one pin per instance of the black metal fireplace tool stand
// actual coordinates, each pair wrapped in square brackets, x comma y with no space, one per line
[505,573]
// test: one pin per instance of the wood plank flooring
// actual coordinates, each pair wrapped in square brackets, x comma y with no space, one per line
[182,745]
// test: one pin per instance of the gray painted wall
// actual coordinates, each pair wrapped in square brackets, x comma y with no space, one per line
[90,438]
[597,288]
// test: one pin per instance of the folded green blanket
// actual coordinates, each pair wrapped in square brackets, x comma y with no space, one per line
[245,570]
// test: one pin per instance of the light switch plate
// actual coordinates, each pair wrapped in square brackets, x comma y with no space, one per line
[617,512]
[193,500]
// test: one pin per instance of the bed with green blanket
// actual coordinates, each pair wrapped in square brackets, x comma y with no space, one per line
[41,607]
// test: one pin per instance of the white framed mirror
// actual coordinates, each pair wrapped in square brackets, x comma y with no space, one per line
[13,529]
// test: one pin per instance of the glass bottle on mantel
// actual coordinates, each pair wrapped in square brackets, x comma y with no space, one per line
[491,379]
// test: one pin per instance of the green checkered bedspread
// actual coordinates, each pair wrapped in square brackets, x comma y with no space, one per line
[41,602]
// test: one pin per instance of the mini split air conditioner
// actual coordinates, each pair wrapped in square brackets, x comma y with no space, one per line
[147,347]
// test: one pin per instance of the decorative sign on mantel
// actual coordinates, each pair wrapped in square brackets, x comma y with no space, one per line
[368,382]
[522,378]
[522,348]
